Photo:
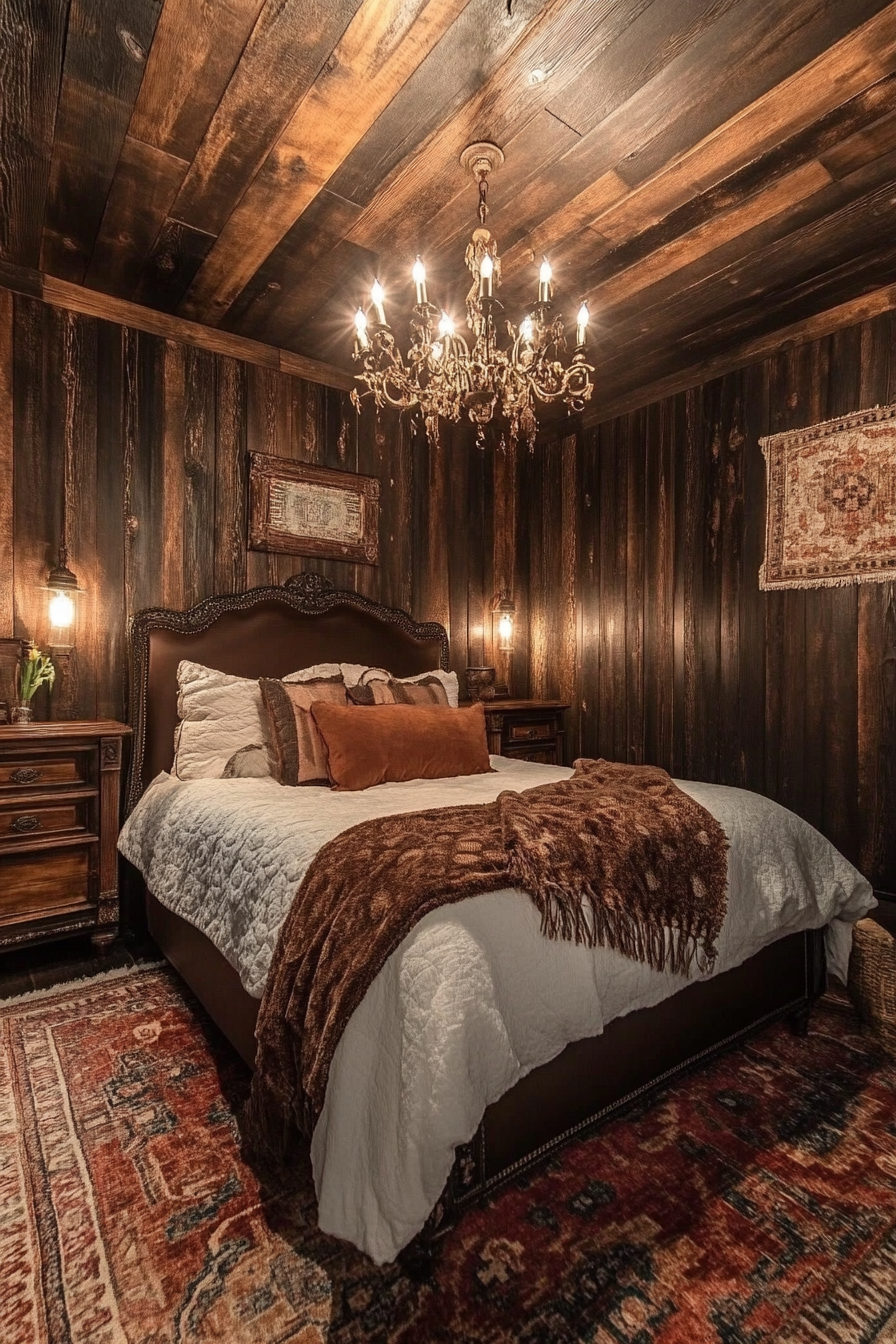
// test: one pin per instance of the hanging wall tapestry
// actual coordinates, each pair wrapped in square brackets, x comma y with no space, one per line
[831,512]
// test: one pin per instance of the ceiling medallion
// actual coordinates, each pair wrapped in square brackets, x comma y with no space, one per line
[443,375]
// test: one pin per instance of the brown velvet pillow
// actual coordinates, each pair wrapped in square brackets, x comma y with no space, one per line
[384,744]
[427,691]
[298,748]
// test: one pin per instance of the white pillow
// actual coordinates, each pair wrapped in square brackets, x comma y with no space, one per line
[354,673]
[223,731]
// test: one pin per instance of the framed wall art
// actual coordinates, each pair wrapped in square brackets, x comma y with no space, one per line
[299,509]
[831,511]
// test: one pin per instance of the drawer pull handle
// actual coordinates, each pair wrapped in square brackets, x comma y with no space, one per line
[26,775]
[23,824]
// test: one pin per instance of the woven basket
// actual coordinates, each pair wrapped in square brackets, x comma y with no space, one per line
[872,981]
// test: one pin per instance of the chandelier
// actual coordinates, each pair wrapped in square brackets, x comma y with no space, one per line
[502,374]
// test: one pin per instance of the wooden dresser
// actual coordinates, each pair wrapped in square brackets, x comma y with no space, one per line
[59,809]
[530,730]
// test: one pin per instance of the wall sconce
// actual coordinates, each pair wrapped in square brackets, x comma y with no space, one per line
[62,586]
[503,612]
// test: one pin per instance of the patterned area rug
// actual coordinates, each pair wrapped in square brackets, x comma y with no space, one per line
[754,1201]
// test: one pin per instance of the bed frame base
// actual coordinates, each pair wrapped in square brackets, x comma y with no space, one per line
[591,1082]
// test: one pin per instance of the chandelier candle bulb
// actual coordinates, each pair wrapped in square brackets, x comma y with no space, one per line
[526,331]
[361,330]
[486,271]
[419,274]
[545,275]
[377,294]
[582,324]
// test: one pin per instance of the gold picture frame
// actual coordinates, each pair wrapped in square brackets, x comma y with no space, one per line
[299,509]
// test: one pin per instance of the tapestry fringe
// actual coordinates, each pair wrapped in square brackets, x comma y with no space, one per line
[838,581]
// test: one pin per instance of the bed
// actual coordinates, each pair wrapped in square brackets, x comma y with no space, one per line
[271,631]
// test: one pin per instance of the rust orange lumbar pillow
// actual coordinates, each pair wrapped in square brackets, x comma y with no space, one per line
[383,744]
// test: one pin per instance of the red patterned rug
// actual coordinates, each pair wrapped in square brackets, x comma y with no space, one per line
[754,1201]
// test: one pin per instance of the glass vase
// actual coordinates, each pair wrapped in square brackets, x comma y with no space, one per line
[21,712]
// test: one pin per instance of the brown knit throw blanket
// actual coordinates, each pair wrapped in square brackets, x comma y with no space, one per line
[616,856]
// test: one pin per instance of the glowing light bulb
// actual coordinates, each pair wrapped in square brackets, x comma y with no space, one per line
[544,282]
[486,271]
[419,274]
[446,325]
[377,294]
[526,330]
[62,610]
[361,329]
[505,631]
[582,324]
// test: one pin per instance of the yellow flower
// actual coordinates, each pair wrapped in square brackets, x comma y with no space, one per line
[34,654]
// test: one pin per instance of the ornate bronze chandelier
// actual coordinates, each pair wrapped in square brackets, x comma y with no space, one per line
[503,374]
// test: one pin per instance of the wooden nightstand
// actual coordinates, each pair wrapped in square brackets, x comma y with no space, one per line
[59,803]
[529,730]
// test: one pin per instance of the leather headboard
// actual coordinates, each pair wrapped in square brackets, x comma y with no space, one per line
[267,632]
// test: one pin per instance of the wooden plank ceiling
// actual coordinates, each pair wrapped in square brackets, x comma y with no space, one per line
[703,171]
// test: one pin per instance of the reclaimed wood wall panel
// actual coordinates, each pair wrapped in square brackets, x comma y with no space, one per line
[679,659]
[157,432]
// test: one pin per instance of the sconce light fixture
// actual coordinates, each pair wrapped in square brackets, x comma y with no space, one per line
[62,586]
[503,612]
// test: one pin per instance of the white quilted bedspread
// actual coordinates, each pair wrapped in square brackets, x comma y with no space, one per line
[475,997]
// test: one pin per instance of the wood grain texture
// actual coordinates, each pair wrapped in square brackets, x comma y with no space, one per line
[62,294]
[693,167]
[378,52]
[193,56]
[106,45]
[681,660]
[145,184]
[32,42]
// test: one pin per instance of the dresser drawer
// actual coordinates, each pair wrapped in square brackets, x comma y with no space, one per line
[532,732]
[34,885]
[39,770]
[43,818]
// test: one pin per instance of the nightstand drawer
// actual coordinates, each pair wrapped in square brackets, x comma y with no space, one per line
[38,771]
[533,732]
[34,885]
[45,818]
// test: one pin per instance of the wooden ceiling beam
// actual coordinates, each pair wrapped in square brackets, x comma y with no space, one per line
[850,214]
[566,41]
[291,44]
[195,51]
[746,117]
[143,190]
[105,53]
[32,43]
[378,52]
[78,299]
[857,65]
[811,328]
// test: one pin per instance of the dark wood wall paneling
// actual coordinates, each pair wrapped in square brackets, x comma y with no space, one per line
[632,549]
[638,553]
[158,433]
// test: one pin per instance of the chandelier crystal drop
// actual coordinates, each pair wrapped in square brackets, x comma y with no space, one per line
[502,373]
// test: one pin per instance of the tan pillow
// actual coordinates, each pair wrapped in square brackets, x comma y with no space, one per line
[424,691]
[298,749]
[357,674]
[386,744]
